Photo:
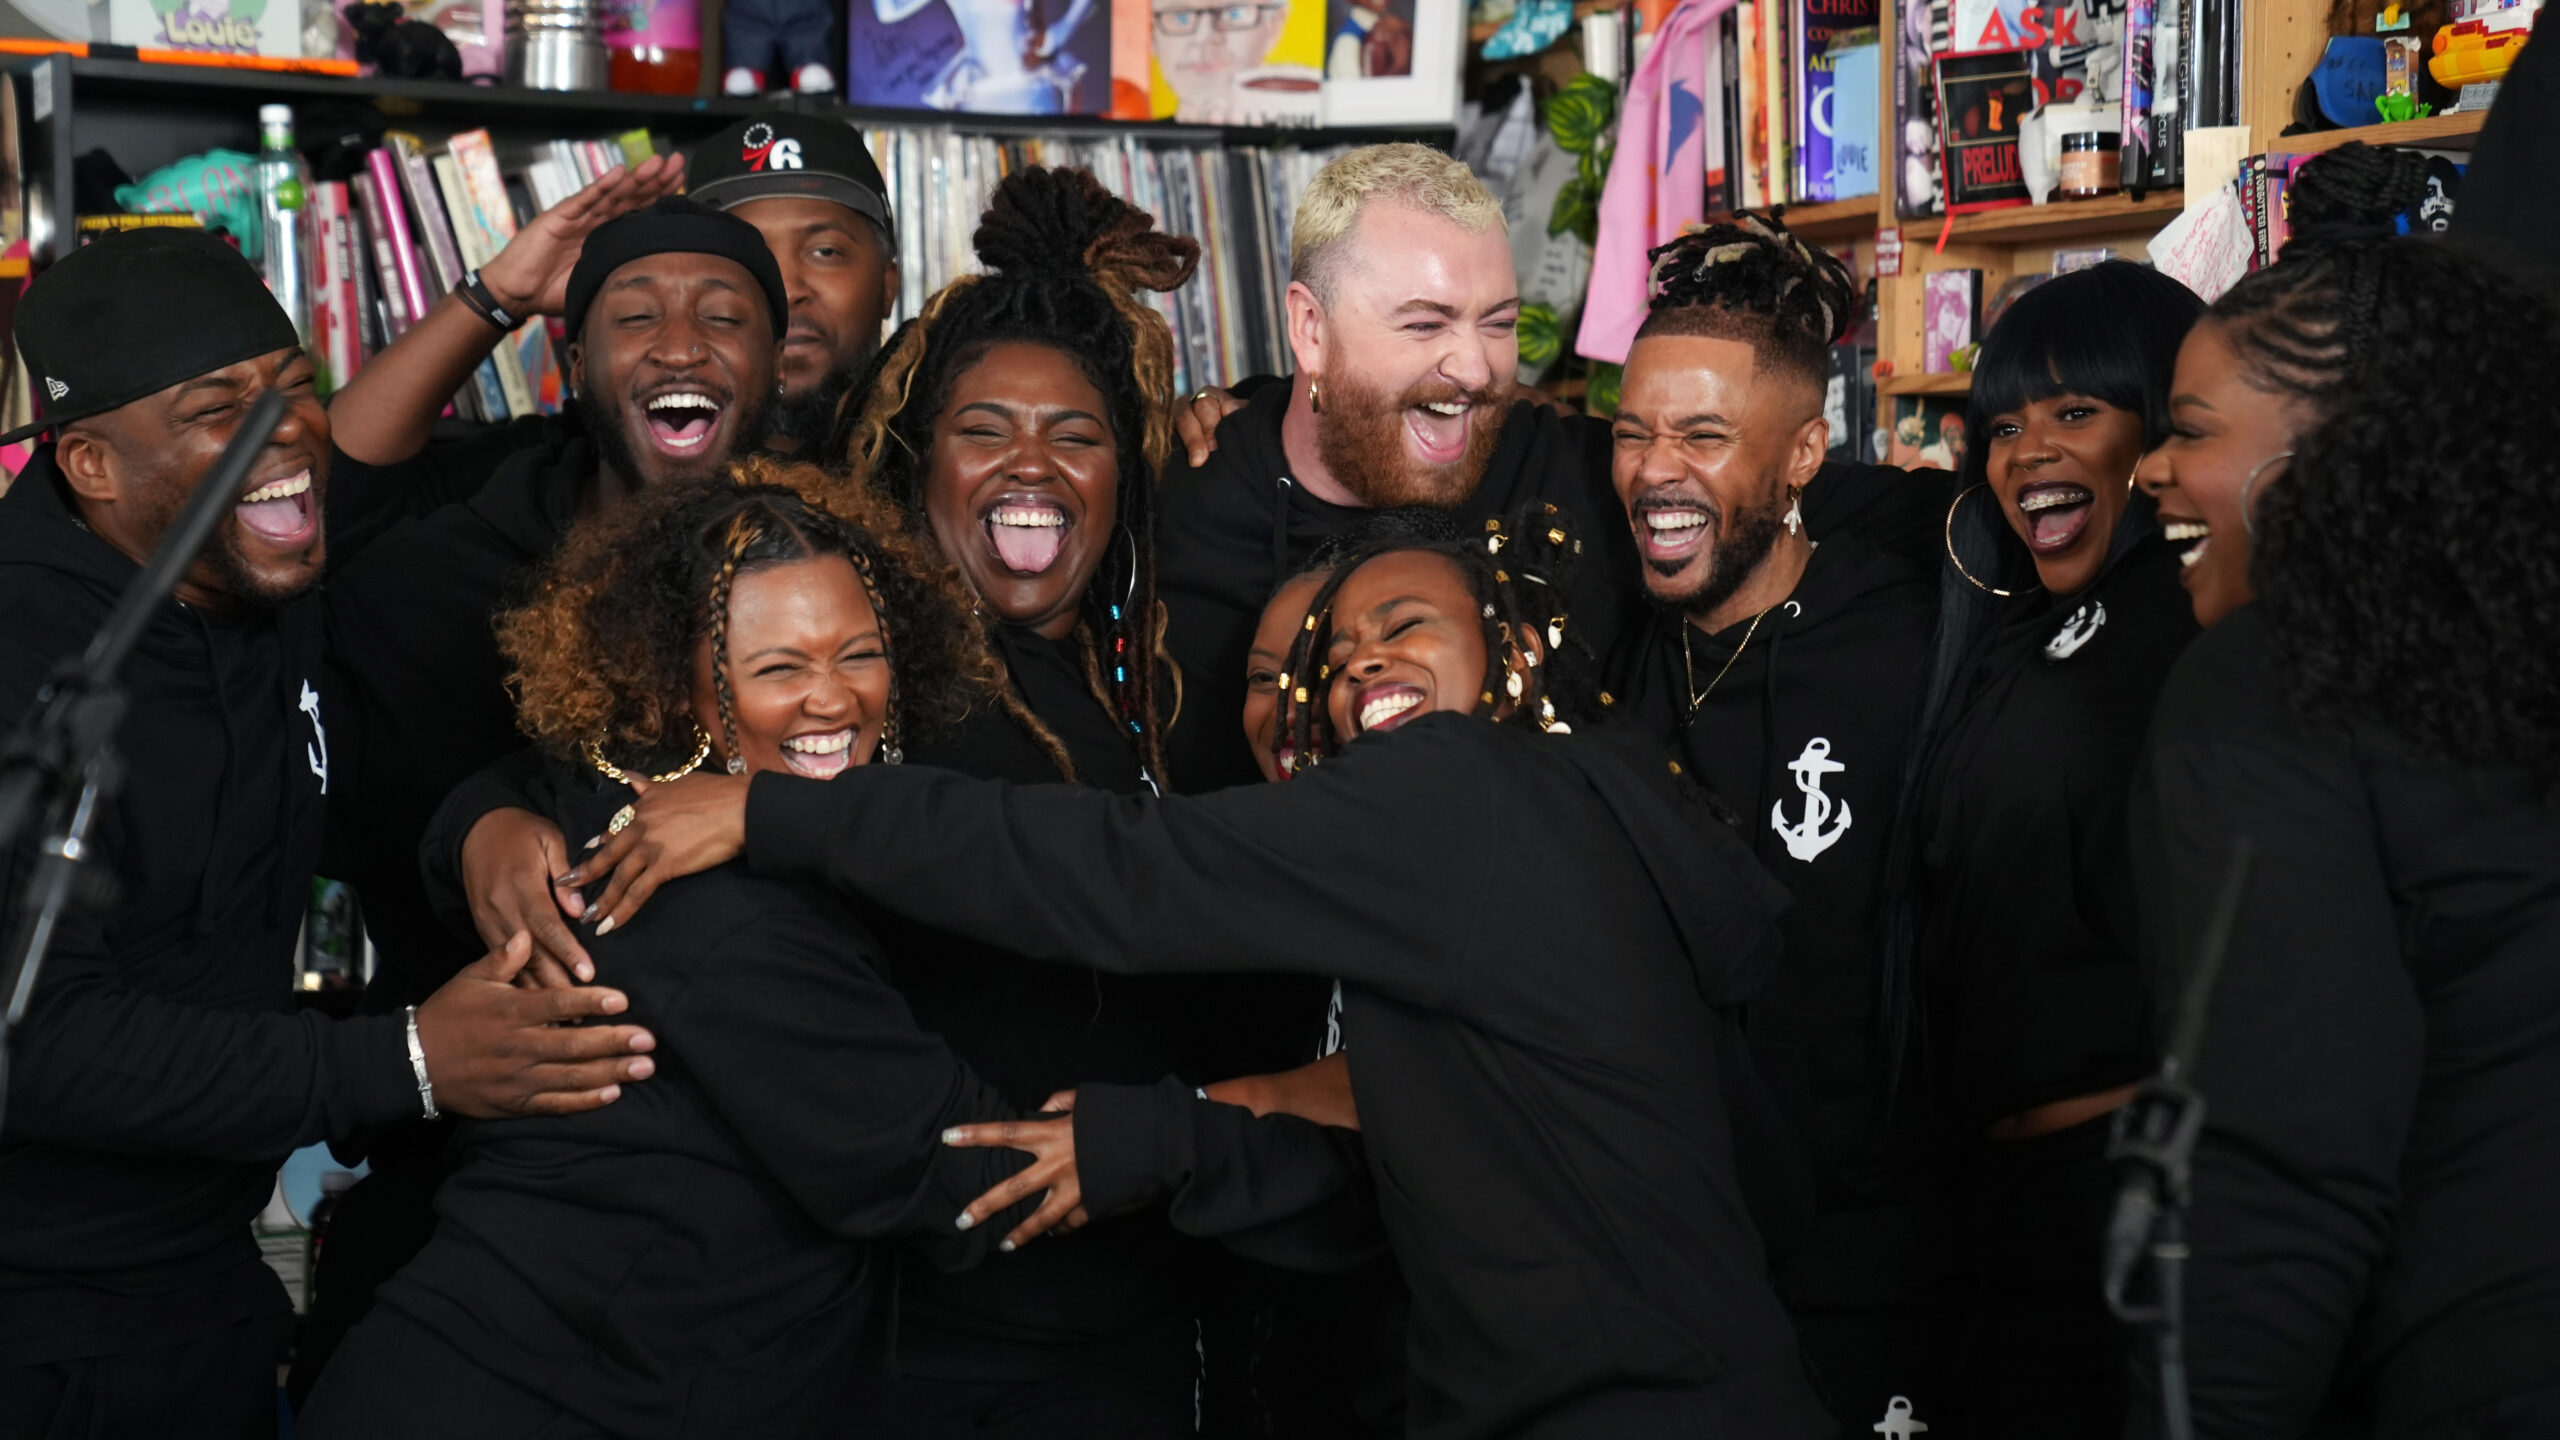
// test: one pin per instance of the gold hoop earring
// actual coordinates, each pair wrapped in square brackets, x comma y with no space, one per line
[1968,575]
[1315,404]
[2248,521]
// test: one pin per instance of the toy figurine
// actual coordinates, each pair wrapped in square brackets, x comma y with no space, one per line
[755,34]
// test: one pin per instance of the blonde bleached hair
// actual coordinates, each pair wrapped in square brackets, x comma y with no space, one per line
[1414,176]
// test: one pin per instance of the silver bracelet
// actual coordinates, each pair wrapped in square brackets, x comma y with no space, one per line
[418,1063]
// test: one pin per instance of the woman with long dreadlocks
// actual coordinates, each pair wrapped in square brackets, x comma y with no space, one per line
[1539,937]
[697,1263]
[2362,476]
[2059,616]
[1016,424]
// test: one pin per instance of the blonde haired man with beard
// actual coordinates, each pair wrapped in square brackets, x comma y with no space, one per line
[1403,313]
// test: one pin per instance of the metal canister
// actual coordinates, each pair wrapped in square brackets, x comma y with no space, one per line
[556,44]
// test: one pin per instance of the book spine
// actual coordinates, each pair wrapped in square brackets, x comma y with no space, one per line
[396,248]
[471,233]
[426,207]
[1755,107]
[333,291]
[1773,58]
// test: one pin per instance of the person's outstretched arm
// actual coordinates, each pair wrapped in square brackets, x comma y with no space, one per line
[383,415]
[1379,866]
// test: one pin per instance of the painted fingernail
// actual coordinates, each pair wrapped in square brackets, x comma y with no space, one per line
[605,927]
[951,1136]
[966,1221]
[1005,1245]
[590,845]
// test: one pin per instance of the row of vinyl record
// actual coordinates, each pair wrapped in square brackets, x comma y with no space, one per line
[1237,201]
[391,240]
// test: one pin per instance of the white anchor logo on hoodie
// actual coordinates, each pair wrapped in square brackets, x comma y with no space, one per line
[317,752]
[2077,631]
[1810,838]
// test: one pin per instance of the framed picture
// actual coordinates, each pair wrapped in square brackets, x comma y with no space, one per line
[1392,62]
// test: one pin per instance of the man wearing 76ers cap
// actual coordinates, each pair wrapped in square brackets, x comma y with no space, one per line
[808,182]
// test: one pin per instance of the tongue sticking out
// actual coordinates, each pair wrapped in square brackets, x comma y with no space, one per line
[1028,549]
[2058,525]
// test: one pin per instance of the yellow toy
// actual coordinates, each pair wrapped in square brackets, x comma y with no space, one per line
[2470,53]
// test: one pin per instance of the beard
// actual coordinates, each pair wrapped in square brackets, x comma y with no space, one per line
[1744,543]
[1360,438]
[807,425]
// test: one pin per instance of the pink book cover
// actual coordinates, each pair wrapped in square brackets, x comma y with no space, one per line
[384,167]
[333,290]
[1950,306]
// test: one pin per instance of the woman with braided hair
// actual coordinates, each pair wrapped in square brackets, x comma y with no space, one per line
[2362,475]
[699,1264]
[1540,929]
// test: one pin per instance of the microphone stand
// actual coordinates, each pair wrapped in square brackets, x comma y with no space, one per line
[2153,1149]
[62,756]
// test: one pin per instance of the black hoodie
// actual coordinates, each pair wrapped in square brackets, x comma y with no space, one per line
[413,657]
[692,1260]
[1537,938]
[1831,682]
[163,1074]
[2371,1229]
[2027,930]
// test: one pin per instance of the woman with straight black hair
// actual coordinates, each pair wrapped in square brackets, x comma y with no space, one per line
[2363,456]
[2060,614]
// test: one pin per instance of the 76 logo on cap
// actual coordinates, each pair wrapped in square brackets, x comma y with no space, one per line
[761,150]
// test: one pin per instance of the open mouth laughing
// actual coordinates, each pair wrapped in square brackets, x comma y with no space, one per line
[1386,706]
[1027,533]
[1439,428]
[682,419]
[2188,537]
[1671,530]
[819,757]
[2057,514]
[280,510]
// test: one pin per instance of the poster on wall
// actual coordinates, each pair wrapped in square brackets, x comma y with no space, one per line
[1250,62]
[1392,62]
[981,57]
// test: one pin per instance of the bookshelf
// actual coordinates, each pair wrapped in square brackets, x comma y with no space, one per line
[148,115]
[2282,40]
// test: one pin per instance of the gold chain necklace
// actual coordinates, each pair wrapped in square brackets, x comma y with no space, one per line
[1689,668]
[702,752]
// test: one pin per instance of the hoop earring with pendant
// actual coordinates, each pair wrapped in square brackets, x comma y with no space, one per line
[1795,512]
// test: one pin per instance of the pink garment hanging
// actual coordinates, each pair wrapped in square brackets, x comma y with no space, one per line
[1657,180]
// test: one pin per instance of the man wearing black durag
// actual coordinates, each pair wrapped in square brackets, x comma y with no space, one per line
[1788,670]
[673,312]
[162,1074]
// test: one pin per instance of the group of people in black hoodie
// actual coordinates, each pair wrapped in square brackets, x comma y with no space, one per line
[1435,916]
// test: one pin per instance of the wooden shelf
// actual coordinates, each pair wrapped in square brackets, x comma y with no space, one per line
[1834,219]
[1958,382]
[2061,220]
[2453,131]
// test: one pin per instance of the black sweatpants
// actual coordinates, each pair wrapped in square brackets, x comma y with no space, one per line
[1142,1387]
[219,1386]
[2043,1356]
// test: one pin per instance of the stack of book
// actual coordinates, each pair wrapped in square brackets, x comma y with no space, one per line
[1790,103]
[1237,201]
[393,239]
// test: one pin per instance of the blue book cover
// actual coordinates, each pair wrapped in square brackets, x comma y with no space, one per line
[1856,83]
[1819,24]
[982,57]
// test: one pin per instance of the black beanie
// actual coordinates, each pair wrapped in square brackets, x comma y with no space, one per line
[673,226]
[135,312]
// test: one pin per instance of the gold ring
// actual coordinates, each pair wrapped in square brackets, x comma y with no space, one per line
[621,819]
[1200,395]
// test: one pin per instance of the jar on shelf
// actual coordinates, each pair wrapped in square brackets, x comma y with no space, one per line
[2089,159]
[656,45]
[556,44]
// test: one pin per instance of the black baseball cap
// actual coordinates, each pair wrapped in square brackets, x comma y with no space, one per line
[781,152]
[673,225]
[134,312]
